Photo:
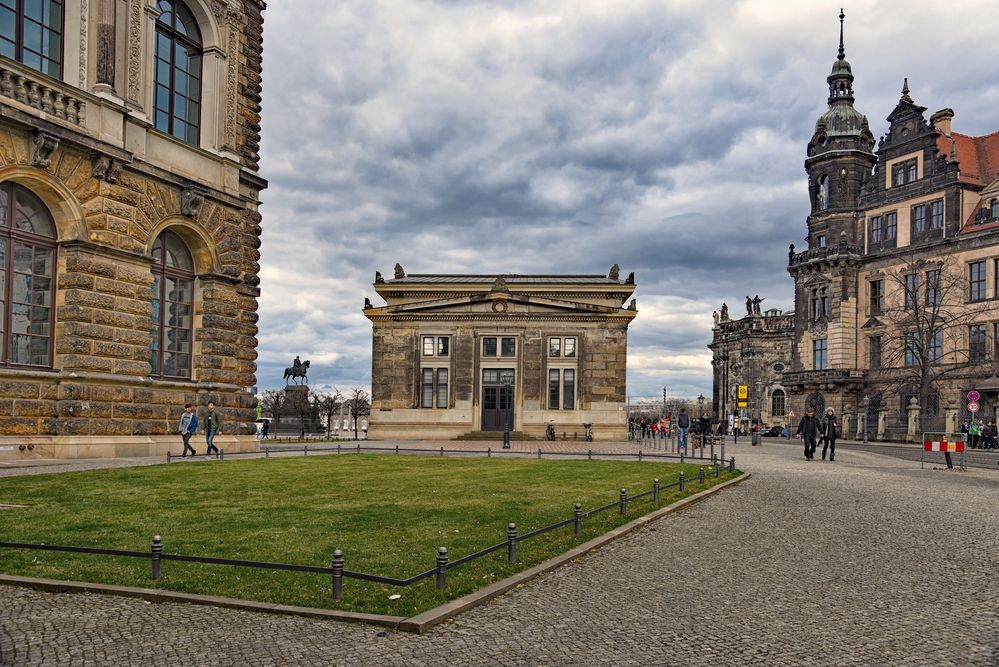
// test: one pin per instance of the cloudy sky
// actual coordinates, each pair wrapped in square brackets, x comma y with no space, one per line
[564,136]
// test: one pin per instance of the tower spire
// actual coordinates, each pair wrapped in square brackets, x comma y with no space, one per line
[842,52]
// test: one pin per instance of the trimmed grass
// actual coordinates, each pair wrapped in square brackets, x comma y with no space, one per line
[388,514]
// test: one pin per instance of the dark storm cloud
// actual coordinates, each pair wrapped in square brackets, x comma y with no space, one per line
[564,137]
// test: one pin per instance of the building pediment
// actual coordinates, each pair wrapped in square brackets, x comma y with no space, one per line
[498,301]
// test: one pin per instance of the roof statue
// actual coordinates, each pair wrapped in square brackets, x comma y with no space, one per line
[399,271]
[367,303]
[378,277]
[615,272]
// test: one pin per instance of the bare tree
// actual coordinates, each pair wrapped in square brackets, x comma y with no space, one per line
[275,402]
[926,309]
[358,405]
[328,406]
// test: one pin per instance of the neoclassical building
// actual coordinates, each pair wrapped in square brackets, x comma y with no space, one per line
[754,352]
[457,354]
[129,231]
[895,295]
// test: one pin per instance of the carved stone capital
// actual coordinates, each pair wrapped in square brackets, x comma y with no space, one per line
[43,145]
[106,169]
[191,201]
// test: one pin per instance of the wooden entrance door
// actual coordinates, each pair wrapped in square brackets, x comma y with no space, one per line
[497,398]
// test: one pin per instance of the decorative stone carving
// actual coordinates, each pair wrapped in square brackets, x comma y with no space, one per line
[106,169]
[630,280]
[43,145]
[615,273]
[84,40]
[191,201]
[378,277]
[134,55]
[105,43]
[399,271]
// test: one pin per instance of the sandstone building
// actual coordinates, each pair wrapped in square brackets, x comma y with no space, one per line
[457,354]
[753,352]
[895,318]
[129,184]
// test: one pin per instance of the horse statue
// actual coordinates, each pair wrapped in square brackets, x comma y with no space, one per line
[299,370]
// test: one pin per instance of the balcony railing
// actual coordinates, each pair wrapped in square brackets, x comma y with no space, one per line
[40,92]
[826,252]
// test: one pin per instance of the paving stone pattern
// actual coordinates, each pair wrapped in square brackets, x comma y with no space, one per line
[865,561]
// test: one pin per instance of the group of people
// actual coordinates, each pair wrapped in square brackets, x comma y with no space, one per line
[979,435]
[812,430]
[189,426]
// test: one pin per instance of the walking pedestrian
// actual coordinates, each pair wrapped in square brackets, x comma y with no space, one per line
[213,426]
[830,431]
[188,426]
[808,429]
[975,431]
[682,424]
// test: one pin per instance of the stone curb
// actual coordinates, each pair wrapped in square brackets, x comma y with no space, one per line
[422,622]
[417,624]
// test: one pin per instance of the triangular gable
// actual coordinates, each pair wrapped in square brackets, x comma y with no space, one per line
[485,302]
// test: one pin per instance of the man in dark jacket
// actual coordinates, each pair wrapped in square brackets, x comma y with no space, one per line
[682,424]
[830,431]
[808,430]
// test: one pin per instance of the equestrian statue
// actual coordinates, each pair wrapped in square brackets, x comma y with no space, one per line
[298,369]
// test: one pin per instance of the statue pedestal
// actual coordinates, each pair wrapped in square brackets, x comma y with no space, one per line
[298,416]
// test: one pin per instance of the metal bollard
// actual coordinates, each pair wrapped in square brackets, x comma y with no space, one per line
[577,517]
[624,501]
[442,451]
[683,483]
[441,568]
[397,449]
[221,454]
[511,542]
[168,457]
[489,453]
[655,490]
[156,552]
[338,448]
[267,452]
[731,464]
[539,453]
[702,475]
[337,567]
[358,447]
[306,450]
[589,454]
[717,471]
[639,456]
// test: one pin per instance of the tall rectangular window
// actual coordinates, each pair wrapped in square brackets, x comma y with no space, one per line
[891,225]
[936,214]
[442,388]
[877,296]
[912,351]
[568,389]
[874,352]
[934,297]
[976,279]
[553,382]
[427,393]
[31,32]
[911,289]
[443,346]
[877,229]
[570,347]
[820,353]
[936,346]
[554,347]
[428,346]
[919,217]
[977,341]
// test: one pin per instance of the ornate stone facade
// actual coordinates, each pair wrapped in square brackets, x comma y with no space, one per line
[456,354]
[114,186]
[901,264]
[753,351]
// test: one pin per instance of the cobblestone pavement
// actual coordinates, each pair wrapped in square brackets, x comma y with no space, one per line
[865,561]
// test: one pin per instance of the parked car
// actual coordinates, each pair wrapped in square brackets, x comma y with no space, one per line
[772,432]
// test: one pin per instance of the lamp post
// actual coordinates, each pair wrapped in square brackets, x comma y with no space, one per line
[867,406]
[508,397]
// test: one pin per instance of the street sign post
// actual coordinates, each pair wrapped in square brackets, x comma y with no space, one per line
[973,406]
[974,396]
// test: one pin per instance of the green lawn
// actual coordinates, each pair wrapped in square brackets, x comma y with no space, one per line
[388,514]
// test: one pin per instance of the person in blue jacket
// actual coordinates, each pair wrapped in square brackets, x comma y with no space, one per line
[188,425]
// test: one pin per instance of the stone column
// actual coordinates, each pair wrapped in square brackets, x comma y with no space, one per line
[882,424]
[105,46]
[913,410]
[950,418]
[844,423]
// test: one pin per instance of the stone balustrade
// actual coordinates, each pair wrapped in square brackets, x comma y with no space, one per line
[38,91]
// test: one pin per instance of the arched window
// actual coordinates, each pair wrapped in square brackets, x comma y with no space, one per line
[177,97]
[823,198]
[27,266]
[173,307]
[778,403]
[31,33]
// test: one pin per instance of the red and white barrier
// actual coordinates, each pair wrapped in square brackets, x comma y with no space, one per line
[942,446]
